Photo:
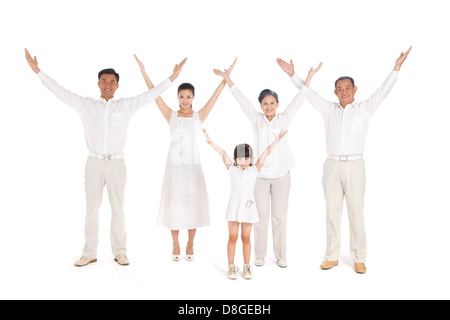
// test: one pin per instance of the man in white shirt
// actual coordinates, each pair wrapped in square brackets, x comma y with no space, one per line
[346,125]
[105,121]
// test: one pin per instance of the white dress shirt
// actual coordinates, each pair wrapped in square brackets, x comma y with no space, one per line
[280,161]
[346,128]
[105,122]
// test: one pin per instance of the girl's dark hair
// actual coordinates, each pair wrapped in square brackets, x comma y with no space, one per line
[186,86]
[265,93]
[242,151]
[109,71]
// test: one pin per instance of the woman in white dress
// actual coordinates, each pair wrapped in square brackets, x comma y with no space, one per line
[184,198]
[241,208]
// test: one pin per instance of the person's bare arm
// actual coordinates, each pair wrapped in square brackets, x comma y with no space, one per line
[262,158]
[226,160]
[165,110]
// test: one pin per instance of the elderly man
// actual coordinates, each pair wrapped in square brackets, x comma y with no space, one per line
[346,125]
[105,121]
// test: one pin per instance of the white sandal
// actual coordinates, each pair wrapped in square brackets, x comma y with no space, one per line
[176,257]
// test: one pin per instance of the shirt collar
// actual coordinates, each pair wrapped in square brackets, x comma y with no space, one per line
[103,101]
[353,104]
[267,120]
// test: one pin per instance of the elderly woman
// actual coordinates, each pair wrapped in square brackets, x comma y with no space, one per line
[274,181]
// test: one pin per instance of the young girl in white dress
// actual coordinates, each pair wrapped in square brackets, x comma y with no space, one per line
[184,198]
[241,206]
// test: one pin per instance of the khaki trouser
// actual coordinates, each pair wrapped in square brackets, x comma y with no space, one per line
[272,196]
[113,174]
[345,179]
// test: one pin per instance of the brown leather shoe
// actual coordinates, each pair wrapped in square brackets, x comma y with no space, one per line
[360,268]
[327,265]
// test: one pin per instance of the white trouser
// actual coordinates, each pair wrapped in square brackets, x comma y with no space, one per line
[345,179]
[272,195]
[113,174]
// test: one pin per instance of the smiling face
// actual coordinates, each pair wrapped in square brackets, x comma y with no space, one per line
[269,106]
[108,85]
[244,163]
[185,98]
[345,91]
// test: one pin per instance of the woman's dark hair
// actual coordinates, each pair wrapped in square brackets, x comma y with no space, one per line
[186,86]
[344,78]
[265,93]
[109,71]
[242,151]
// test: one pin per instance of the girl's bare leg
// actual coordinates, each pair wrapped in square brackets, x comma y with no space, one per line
[246,230]
[233,229]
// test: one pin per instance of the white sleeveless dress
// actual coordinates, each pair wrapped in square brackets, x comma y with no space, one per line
[242,206]
[184,198]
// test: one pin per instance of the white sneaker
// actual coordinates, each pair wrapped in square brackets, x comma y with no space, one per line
[122,260]
[282,263]
[84,261]
[247,271]
[232,272]
[259,262]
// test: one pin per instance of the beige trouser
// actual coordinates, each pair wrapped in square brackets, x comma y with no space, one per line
[113,174]
[345,178]
[272,195]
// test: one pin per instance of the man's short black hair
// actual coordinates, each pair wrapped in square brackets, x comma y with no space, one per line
[344,78]
[109,71]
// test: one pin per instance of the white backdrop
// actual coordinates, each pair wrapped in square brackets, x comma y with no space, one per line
[43,149]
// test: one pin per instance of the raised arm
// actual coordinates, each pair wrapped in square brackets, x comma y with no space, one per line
[265,154]
[290,71]
[204,112]
[74,100]
[226,73]
[311,73]
[322,105]
[295,105]
[373,103]
[226,160]
[165,110]
[243,101]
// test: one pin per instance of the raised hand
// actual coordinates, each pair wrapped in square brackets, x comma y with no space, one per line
[208,139]
[226,73]
[140,64]
[286,67]
[401,59]
[32,62]
[262,158]
[278,137]
[177,70]
[311,72]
